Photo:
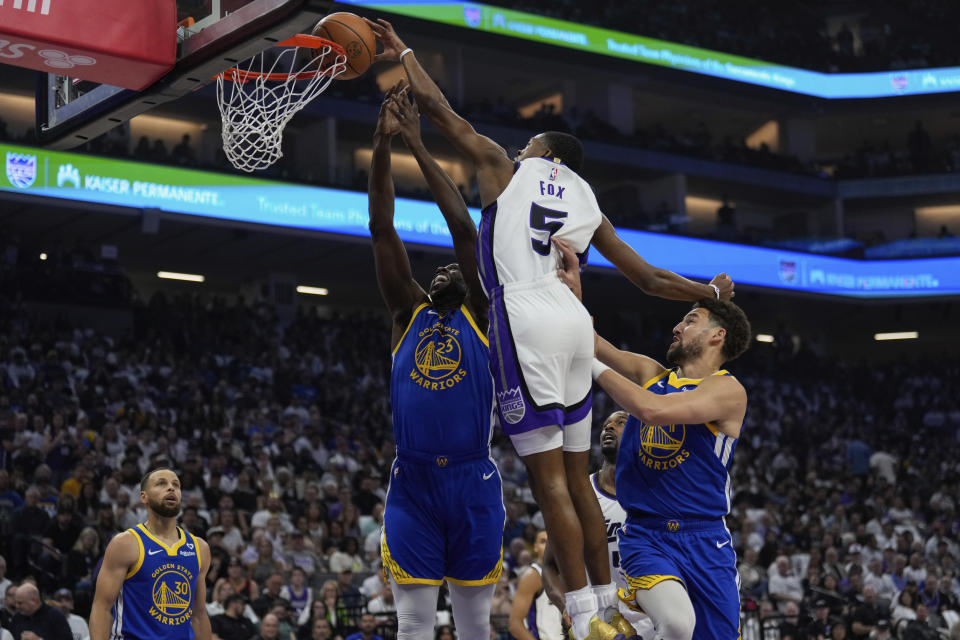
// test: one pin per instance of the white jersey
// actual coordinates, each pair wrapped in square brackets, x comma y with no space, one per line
[544,199]
[613,517]
[543,619]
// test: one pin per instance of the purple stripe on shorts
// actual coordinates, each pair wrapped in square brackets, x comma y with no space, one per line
[579,411]
[488,270]
[518,414]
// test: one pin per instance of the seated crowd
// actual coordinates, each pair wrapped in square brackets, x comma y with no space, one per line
[845,483]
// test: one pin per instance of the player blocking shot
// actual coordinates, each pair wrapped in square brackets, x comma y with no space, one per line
[541,337]
[152,585]
[444,511]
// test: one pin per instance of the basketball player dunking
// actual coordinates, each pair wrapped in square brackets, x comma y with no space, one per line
[540,334]
[152,585]
[673,473]
[444,511]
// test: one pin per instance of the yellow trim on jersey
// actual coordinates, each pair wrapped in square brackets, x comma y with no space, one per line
[399,575]
[713,428]
[409,324]
[141,554]
[480,334]
[196,545]
[490,578]
[652,381]
[171,551]
[675,381]
[629,596]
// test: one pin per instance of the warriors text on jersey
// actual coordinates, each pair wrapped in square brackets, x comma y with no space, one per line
[444,514]
[674,470]
[544,199]
[156,600]
[440,385]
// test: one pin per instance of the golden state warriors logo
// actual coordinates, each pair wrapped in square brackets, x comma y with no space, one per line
[673,526]
[172,595]
[661,446]
[437,358]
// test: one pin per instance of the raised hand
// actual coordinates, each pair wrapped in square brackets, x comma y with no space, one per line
[724,284]
[387,124]
[392,44]
[407,115]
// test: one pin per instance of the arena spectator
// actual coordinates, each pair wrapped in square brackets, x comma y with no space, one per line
[232,624]
[35,619]
[78,626]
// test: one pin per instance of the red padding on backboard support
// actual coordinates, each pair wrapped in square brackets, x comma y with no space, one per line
[125,43]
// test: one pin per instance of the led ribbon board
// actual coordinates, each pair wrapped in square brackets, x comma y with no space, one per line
[617,44]
[230,197]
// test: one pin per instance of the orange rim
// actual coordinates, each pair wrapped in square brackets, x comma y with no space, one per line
[234,74]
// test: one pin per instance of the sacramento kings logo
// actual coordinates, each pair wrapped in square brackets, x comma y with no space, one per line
[21,169]
[512,406]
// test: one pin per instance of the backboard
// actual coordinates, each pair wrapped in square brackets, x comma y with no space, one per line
[213,35]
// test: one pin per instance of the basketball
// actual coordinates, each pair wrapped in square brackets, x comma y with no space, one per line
[352,33]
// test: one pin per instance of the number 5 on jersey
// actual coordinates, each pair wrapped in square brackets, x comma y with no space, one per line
[543,219]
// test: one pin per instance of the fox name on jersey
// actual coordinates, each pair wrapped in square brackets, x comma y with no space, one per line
[544,199]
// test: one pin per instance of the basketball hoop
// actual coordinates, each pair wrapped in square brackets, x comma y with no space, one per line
[264,96]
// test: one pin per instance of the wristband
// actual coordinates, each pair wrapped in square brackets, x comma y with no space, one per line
[716,289]
[598,368]
[405,52]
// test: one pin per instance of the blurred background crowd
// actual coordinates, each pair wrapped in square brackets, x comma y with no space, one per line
[846,481]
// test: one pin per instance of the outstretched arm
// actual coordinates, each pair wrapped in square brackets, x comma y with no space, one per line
[652,280]
[448,198]
[634,367]
[400,291]
[720,400]
[494,168]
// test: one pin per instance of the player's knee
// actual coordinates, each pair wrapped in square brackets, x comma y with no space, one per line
[676,625]
[412,623]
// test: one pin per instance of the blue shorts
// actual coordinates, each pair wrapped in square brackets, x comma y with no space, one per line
[443,519]
[699,554]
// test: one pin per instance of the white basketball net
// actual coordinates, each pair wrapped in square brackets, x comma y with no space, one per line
[263,96]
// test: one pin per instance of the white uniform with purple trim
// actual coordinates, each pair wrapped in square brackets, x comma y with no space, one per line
[541,337]
[614,517]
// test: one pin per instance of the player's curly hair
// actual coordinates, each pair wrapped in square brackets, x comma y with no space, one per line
[726,314]
[566,147]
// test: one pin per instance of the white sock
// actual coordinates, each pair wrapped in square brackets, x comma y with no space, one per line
[606,601]
[582,606]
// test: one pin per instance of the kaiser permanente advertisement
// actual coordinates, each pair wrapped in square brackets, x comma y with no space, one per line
[230,197]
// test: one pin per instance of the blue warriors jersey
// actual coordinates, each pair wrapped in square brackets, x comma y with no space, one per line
[156,600]
[674,470]
[440,385]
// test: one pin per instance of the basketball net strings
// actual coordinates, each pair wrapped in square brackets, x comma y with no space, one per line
[258,105]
